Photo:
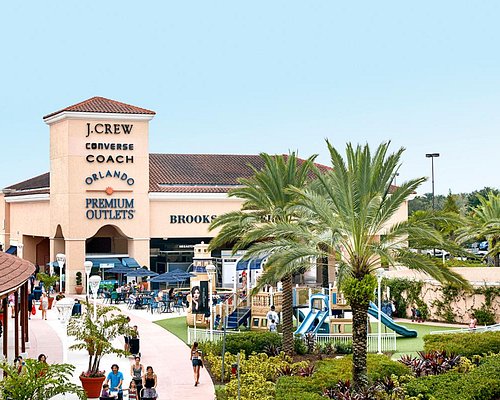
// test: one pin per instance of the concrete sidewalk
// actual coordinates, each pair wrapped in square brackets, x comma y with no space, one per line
[167,354]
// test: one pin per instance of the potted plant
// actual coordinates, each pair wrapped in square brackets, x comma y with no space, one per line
[48,281]
[37,380]
[96,338]
[78,287]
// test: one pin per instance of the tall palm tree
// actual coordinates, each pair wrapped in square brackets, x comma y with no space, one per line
[266,201]
[484,222]
[348,212]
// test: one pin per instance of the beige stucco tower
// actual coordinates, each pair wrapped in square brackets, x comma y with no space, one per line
[99,182]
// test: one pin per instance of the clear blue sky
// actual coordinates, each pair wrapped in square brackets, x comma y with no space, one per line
[272,76]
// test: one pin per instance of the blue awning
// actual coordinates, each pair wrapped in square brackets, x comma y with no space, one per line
[12,250]
[130,262]
[105,262]
[255,263]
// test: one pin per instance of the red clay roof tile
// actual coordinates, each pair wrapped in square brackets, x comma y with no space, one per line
[102,105]
[13,272]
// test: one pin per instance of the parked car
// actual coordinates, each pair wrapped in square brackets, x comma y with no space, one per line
[437,253]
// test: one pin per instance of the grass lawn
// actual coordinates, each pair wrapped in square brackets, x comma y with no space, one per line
[412,345]
[177,326]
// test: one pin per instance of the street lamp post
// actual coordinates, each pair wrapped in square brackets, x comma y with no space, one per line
[61,260]
[88,269]
[432,156]
[210,268]
[65,307]
[94,282]
[380,275]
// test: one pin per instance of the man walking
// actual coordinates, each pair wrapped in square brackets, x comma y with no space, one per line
[115,381]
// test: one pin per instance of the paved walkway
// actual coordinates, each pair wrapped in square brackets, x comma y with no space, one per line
[167,354]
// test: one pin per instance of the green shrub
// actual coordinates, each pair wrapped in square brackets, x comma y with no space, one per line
[379,367]
[482,383]
[329,372]
[343,348]
[295,387]
[465,344]
[299,347]
[253,387]
[484,316]
[249,342]
[267,367]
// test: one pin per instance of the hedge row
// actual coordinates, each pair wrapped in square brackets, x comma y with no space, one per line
[482,383]
[249,342]
[329,372]
[464,344]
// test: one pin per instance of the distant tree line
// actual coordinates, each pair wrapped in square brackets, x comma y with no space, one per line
[460,203]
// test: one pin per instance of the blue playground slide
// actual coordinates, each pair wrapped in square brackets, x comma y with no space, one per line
[309,325]
[389,322]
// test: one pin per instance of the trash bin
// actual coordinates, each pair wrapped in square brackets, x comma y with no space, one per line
[77,309]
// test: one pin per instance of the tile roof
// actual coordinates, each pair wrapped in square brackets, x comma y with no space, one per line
[177,173]
[13,272]
[102,105]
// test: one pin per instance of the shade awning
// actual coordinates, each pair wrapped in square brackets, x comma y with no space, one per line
[12,250]
[130,262]
[104,263]
[255,263]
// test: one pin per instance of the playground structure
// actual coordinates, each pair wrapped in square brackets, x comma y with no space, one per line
[317,310]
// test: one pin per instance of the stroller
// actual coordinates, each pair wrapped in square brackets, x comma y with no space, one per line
[134,346]
[148,394]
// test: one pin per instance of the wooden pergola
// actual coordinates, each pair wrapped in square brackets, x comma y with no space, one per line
[14,279]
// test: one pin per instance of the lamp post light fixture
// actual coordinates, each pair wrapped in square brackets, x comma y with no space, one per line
[94,282]
[61,260]
[64,308]
[211,270]
[88,269]
[380,275]
[432,156]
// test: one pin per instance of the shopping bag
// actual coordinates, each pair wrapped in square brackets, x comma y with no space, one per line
[33,310]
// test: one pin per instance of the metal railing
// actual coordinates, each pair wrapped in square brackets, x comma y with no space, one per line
[203,335]
[479,329]
[388,339]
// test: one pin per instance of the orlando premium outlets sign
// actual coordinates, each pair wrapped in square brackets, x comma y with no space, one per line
[105,208]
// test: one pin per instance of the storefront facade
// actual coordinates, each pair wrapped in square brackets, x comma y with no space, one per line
[106,196]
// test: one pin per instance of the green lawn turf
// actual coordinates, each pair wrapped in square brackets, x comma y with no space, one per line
[177,326]
[412,345]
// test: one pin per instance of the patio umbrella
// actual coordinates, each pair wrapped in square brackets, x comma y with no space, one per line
[181,274]
[166,277]
[141,272]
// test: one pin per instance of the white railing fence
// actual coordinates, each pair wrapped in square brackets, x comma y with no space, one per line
[479,329]
[203,335]
[388,341]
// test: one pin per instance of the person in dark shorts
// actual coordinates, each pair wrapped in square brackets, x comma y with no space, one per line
[197,361]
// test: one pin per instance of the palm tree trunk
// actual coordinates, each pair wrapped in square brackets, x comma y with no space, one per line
[359,342]
[287,309]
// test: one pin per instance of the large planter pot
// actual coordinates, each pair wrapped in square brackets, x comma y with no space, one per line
[51,300]
[92,386]
[79,289]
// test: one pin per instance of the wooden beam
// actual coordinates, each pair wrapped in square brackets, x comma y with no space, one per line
[16,323]
[5,308]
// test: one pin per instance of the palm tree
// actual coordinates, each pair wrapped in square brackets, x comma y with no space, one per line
[266,201]
[484,222]
[347,212]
